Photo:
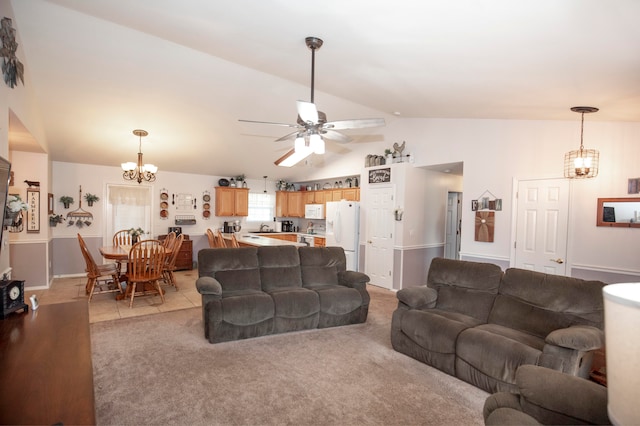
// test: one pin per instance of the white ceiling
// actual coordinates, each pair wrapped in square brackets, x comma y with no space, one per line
[187,70]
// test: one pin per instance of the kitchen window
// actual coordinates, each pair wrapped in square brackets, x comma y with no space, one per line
[261,207]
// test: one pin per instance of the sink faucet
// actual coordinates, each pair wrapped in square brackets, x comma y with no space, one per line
[264,227]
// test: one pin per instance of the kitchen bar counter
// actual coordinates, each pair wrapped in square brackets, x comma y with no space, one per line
[254,240]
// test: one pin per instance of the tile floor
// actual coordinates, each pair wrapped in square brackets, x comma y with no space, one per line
[105,307]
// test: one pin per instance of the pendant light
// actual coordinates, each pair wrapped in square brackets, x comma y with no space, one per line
[582,163]
[139,171]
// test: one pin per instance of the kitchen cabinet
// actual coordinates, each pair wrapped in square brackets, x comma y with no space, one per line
[289,204]
[295,204]
[351,194]
[184,260]
[232,201]
[319,242]
[309,197]
[285,237]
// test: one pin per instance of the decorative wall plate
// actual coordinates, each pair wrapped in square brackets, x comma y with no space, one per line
[164,213]
[206,206]
[206,197]
[164,205]
[164,196]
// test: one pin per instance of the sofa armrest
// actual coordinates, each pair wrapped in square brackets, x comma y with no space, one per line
[209,285]
[579,337]
[418,297]
[353,279]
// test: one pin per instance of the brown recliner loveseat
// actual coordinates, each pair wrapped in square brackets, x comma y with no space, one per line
[479,324]
[249,292]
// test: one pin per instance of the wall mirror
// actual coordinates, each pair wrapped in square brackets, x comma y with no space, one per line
[619,212]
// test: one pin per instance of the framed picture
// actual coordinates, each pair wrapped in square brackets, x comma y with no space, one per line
[50,203]
[634,186]
[380,175]
[33,212]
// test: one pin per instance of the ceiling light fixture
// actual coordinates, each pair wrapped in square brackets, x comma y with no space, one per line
[292,157]
[139,171]
[582,163]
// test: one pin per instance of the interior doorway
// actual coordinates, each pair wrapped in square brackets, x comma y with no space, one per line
[453,226]
[542,220]
[379,236]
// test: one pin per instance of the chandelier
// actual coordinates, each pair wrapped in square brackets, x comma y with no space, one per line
[582,163]
[139,171]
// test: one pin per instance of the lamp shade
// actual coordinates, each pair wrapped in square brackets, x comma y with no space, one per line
[622,334]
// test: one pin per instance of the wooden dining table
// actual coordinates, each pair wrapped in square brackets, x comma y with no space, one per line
[121,254]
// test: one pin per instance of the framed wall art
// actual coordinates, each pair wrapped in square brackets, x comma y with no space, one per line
[49,203]
[33,212]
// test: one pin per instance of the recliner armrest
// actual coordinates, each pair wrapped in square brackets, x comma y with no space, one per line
[353,279]
[209,285]
[418,297]
[579,337]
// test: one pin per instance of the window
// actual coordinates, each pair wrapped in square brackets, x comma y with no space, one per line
[261,207]
[127,207]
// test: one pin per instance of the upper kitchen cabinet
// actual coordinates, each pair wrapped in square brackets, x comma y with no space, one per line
[351,194]
[232,201]
[289,204]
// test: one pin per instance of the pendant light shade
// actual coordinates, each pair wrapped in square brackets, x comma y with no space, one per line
[582,163]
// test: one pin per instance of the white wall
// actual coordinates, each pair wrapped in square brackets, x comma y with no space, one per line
[67,177]
[495,152]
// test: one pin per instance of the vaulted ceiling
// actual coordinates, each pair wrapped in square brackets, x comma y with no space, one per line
[187,70]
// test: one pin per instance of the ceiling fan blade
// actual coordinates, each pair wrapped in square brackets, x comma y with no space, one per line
[359,123]
[307,112]
[336,136]
[287,137]
[270,123]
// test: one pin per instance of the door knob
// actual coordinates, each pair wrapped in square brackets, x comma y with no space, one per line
[558,260]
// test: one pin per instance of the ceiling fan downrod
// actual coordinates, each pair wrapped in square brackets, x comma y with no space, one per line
[313,43]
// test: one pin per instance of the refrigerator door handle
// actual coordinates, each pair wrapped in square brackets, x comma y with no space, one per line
[337,230]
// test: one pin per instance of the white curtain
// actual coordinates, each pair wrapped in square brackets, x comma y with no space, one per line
[127,207]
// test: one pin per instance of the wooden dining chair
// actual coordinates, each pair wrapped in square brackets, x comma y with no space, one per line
[211,238]
[122,238]
[220,240]
[168,241]
[233,242]
[106,277]
[170,262]
[144,269]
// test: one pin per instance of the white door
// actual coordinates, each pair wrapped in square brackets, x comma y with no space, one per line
[541,225]
[379,236]
[452,224]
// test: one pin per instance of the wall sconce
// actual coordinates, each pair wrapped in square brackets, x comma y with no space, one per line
[398,214]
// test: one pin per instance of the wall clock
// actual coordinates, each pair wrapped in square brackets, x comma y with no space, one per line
[12,294]
[12,68]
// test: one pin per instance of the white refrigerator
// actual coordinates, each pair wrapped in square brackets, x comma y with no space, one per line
[343,229]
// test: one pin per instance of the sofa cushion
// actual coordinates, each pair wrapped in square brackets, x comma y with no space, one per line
[338,300]
[465,287]
[488,355]
[247,307]
[434,329]
[295,302]
[279,267]
[234,268]
[320,265]
[539,303]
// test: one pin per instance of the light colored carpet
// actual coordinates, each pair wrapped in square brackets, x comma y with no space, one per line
[159,369]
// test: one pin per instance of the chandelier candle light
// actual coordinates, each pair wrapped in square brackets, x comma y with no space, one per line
[582,163]
[139,171]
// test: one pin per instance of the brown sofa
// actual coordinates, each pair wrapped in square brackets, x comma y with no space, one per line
[250,292]
[478,323]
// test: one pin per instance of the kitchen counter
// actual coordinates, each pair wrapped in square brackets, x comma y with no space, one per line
[255,240]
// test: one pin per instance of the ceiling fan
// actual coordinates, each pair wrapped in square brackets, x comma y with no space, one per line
[312,125]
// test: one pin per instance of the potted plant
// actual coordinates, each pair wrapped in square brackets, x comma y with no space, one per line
[241,180]
[66,201]
[13,211]
[91,198]
[388,155]
[55,219]
[135,234]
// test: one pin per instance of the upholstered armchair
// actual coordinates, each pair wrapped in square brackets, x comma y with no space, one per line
[548,397]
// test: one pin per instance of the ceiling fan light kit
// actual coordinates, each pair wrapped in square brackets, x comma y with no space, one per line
[582,163]
[312,125]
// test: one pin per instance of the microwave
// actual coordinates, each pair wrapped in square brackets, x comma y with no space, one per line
[314,211]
